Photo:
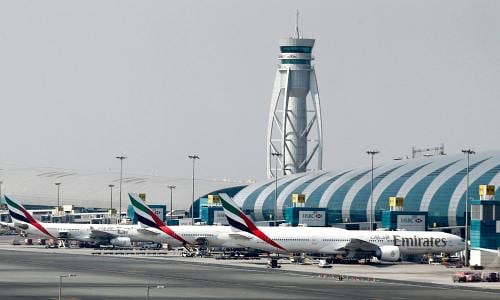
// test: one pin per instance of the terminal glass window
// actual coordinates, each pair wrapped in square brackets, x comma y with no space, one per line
[381,203]
[249,203]
[414,196]
[361,200]
[314,198]
[487,213]
[475,212]
[300,190]
[296,61]
[295,49]
[438,207]
[337,199]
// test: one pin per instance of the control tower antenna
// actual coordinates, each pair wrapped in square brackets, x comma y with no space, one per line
[297,26]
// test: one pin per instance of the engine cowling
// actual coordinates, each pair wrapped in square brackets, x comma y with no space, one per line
[121,242]
[388,253]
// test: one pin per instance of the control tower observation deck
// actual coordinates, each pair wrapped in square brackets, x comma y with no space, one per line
[294,136]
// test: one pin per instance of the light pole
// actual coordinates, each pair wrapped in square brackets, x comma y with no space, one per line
[58,184]
[111,196]
[372,153]
[152,286]
[121,158]
[468,152]
[60,282]
[171,187]
[194,157]
[1,182]
[276,155]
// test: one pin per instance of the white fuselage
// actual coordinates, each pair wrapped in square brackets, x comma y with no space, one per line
[321,240]
[83,232]
[216,236]
[328,240]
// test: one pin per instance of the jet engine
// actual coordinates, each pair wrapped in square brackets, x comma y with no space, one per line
[121,242]
[388,253]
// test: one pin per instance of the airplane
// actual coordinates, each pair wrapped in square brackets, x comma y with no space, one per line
[7,221]
[384,245]
[8,225]
[181,235]
[110,234]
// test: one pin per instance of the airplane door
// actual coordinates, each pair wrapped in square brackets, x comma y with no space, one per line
[315,242]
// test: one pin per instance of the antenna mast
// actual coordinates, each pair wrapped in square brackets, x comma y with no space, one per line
[297,25]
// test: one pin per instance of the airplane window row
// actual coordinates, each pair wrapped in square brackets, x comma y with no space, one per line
[67,229]
[198,235]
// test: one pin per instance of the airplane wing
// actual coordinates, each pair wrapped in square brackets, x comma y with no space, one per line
[8,225]
[239,236]
[147,231]
[360,245]
[21,226]
[98,234]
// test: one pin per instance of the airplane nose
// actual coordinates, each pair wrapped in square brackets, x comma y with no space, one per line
[456,241]
[460,242]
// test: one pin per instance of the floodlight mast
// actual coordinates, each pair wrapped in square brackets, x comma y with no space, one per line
[468,152]
[193,157]
[372,153]
[58,184]
[171,187]
[121,158]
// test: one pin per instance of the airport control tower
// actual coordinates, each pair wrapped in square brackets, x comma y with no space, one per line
[294,133]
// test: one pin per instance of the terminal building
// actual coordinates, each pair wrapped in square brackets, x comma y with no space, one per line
[87,194]
[435,185]
[485,228]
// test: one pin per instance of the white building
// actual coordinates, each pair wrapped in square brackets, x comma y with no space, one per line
[35,186]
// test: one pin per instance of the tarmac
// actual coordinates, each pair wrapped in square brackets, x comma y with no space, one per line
[32,272]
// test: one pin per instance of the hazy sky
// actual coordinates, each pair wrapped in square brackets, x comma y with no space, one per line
[83,81]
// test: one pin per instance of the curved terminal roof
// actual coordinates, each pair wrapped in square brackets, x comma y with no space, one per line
[35,186]
[435,184]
